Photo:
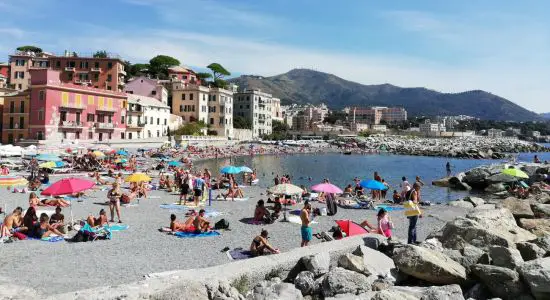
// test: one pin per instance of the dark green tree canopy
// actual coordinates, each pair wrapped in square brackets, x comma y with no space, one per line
[100,54]
[30,48]
[218,70]
[194,128]
[159,65]
[242,123]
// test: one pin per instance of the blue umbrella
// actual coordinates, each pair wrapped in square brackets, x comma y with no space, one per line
[372,185]
[59,164]
[245,169]
[174,163]
[230,170]
[122,152]
[48,157]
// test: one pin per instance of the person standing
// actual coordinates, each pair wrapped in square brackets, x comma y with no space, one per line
[376,193]
[448,168]
[184,188]
[413,213]
[114,195]
[306,231]
[276,179]
[405,187]
[198,185]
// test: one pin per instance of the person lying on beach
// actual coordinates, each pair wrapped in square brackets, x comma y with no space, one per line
[12,223]
[44,229]
[185,226]
[99,221]
[34,201]
[200,223]
[261,214]
[260,246]
[57,220]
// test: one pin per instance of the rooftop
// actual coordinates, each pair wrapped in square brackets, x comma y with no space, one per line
[145,101]
[181,69]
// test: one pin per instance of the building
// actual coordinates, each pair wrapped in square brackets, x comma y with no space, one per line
[511,132]
[429,128]
[379,128]
[147,87]
[184,75]
[535,134]
[374,115]
[220,112]
[146,117]
[302,122]
[5,69]
[276,110]
[15,117]
[99,72]
[3,81]
[255,106]
[61,111]
[494,133]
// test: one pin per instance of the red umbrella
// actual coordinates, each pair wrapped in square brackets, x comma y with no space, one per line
[68,186]
[351,228]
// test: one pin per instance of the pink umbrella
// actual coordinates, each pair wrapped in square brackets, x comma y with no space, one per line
[68,186]
[326,188]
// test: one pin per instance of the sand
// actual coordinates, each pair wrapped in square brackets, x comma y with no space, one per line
[62,267]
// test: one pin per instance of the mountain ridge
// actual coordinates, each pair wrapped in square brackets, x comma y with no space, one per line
[303,86]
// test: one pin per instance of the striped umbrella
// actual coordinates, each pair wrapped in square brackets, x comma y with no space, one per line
[12,180]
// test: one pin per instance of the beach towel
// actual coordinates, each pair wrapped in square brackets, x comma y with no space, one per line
[196,235]
[129,204]
[239,253]
[51,239]
[388,207]
[118,227]
[296,220]
[220,198]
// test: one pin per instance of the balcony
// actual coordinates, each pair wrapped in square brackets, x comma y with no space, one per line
[71,124]
[70,69]
[72,105]
[83,82]
[135,111]
[121,82]
[105,126]
[106,109]
[96,70]
[137,126]
[120,71]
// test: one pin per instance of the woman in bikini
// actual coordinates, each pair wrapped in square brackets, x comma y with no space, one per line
[260,245]
[34,201]
[114,201]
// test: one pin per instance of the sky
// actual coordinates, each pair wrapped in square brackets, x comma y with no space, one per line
[500,46]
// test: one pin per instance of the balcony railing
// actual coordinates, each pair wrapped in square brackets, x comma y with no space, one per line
[71,124]
[107,109]
[78,81]
[135,111]
[136,125]
[108,126]
[72,105]
[96,70]
[70,69]
[122,72]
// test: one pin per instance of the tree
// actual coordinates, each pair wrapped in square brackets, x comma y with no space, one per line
[279,127]
[159,65]
[203,77]
[242,123]
[218,71]
[137,69]
[30,49]
[194,128]
[100,54]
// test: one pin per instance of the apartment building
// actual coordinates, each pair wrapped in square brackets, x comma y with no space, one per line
[15,117]
[430,128]
[147,87]
[183,74]
[374,115]
[61,110]
[276,110]
[19,65]
[220,112]
[255,106]
[146,117]
[190,102]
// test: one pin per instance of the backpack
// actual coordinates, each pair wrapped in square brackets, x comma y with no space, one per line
[221,224]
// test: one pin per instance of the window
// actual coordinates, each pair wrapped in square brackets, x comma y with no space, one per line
[58,64]
[122,135]
[100,118]
[90,135]
[165,122]
[203,97]
[109,78]
[40,115]
[110,135]
[213,97]
[151,121]
[89,117]
[64,134]
[96,64]
[158,121]
[190,96]
[11,123]
[41,95]
[19,62]
[77,119]
[129,135]
[20,75]
[63,116]
[22,122]
[20,86]
[158,133]
[122,119]
[181,108]
[183,96]
[211,121]
[109,65]
[203,108]
[40,135]
[109,88]
[12,107]
[10,138]
[22,107]
[153,93]
[96,77]
[77,135]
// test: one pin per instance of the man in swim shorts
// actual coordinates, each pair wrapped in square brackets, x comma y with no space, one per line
[200,223]
[306,231]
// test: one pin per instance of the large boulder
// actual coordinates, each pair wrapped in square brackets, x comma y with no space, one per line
[543,242]
[478,291]
[342,281]
[431,266]
[476,201]
[477,177]
[273,290]
[502,223]
[541,210]
[353,263]
[540,227]
[502,282]
[461,231]
[505,257]
[222,290]
[376,263]
[305,282]
[391,295]
[461,203]
[499,178]
[443,182]
[486,206]
[530,251]
[495,188]
[317,264]
[519,208]
[536,274]
[448,292]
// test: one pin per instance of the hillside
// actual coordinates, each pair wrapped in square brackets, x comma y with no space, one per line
[306,86]
[546,115]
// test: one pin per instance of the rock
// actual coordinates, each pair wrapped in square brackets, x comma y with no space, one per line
[222,290]
[495,188]
[543,242]
[486,206]
[449,292]
[364,296]
[190,290]
[501,222]
[432,244]
[460,203]
[381,284]
[342,281]
[519,208]
[476,201]
[463,186]
[374,241]
[477,177]
[530,251]
[460,231]
[443,182]
[305,282]
[536,274]
[541,210]
[540,227]
[317,264]
[353,263]
[376,263]
[268,290]
[478,291]
[393,295]
[505,257]
[429,265]
[502,282]
[499,178]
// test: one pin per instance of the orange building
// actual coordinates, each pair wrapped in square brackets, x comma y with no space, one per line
[15,123]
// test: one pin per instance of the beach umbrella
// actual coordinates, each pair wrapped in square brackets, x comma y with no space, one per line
[122,152]
[326,188]
[47,165]
[372,185]
[230,170]
[515,172]
[68,186]
[285,189]
[350,228]
[138,177]
[245,169]
[174,163]
[47,157]
[12,180]
[121,161]
[98,154]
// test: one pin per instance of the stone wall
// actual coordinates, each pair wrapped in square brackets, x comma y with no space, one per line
[242,134]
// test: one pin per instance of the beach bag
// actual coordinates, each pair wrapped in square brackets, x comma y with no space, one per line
[221,224]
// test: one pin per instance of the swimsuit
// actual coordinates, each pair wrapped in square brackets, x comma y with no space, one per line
[307,233]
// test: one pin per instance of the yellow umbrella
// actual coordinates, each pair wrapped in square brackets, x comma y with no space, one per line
[47,165]
[98,154]
[138,177]
[515,172]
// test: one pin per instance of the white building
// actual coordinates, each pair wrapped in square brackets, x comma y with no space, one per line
[276,109]
[429,128]
[146,117]
[494,133]
[255,106]
[220,112]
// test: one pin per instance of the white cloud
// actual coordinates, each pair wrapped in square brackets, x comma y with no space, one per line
[12,32]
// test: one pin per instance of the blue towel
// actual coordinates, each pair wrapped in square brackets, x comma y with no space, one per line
[118,227]
[239,254]
[388,208]
[195,235]
[51,239]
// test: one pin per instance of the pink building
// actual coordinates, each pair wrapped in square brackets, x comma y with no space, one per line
[144,86]
[184,75]
[67,111]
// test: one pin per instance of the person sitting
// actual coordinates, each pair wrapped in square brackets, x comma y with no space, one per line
[231,192]
[359,190]
[29,220]
[260,246]
[57,220]
[277,208]
[200,223]
[396,197]
[4,170]
[142,190]
[384,223]
[99,221]
[177,226]
[304,191]
[12,223]
[34,184]
[261,214]
[44,229]
[45,178]
[98,179]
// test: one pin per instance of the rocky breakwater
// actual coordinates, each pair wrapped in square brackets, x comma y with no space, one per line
[463,147]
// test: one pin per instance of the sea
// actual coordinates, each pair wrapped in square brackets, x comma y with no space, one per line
[310,169]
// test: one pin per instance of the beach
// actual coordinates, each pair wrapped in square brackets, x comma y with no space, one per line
[53,268]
